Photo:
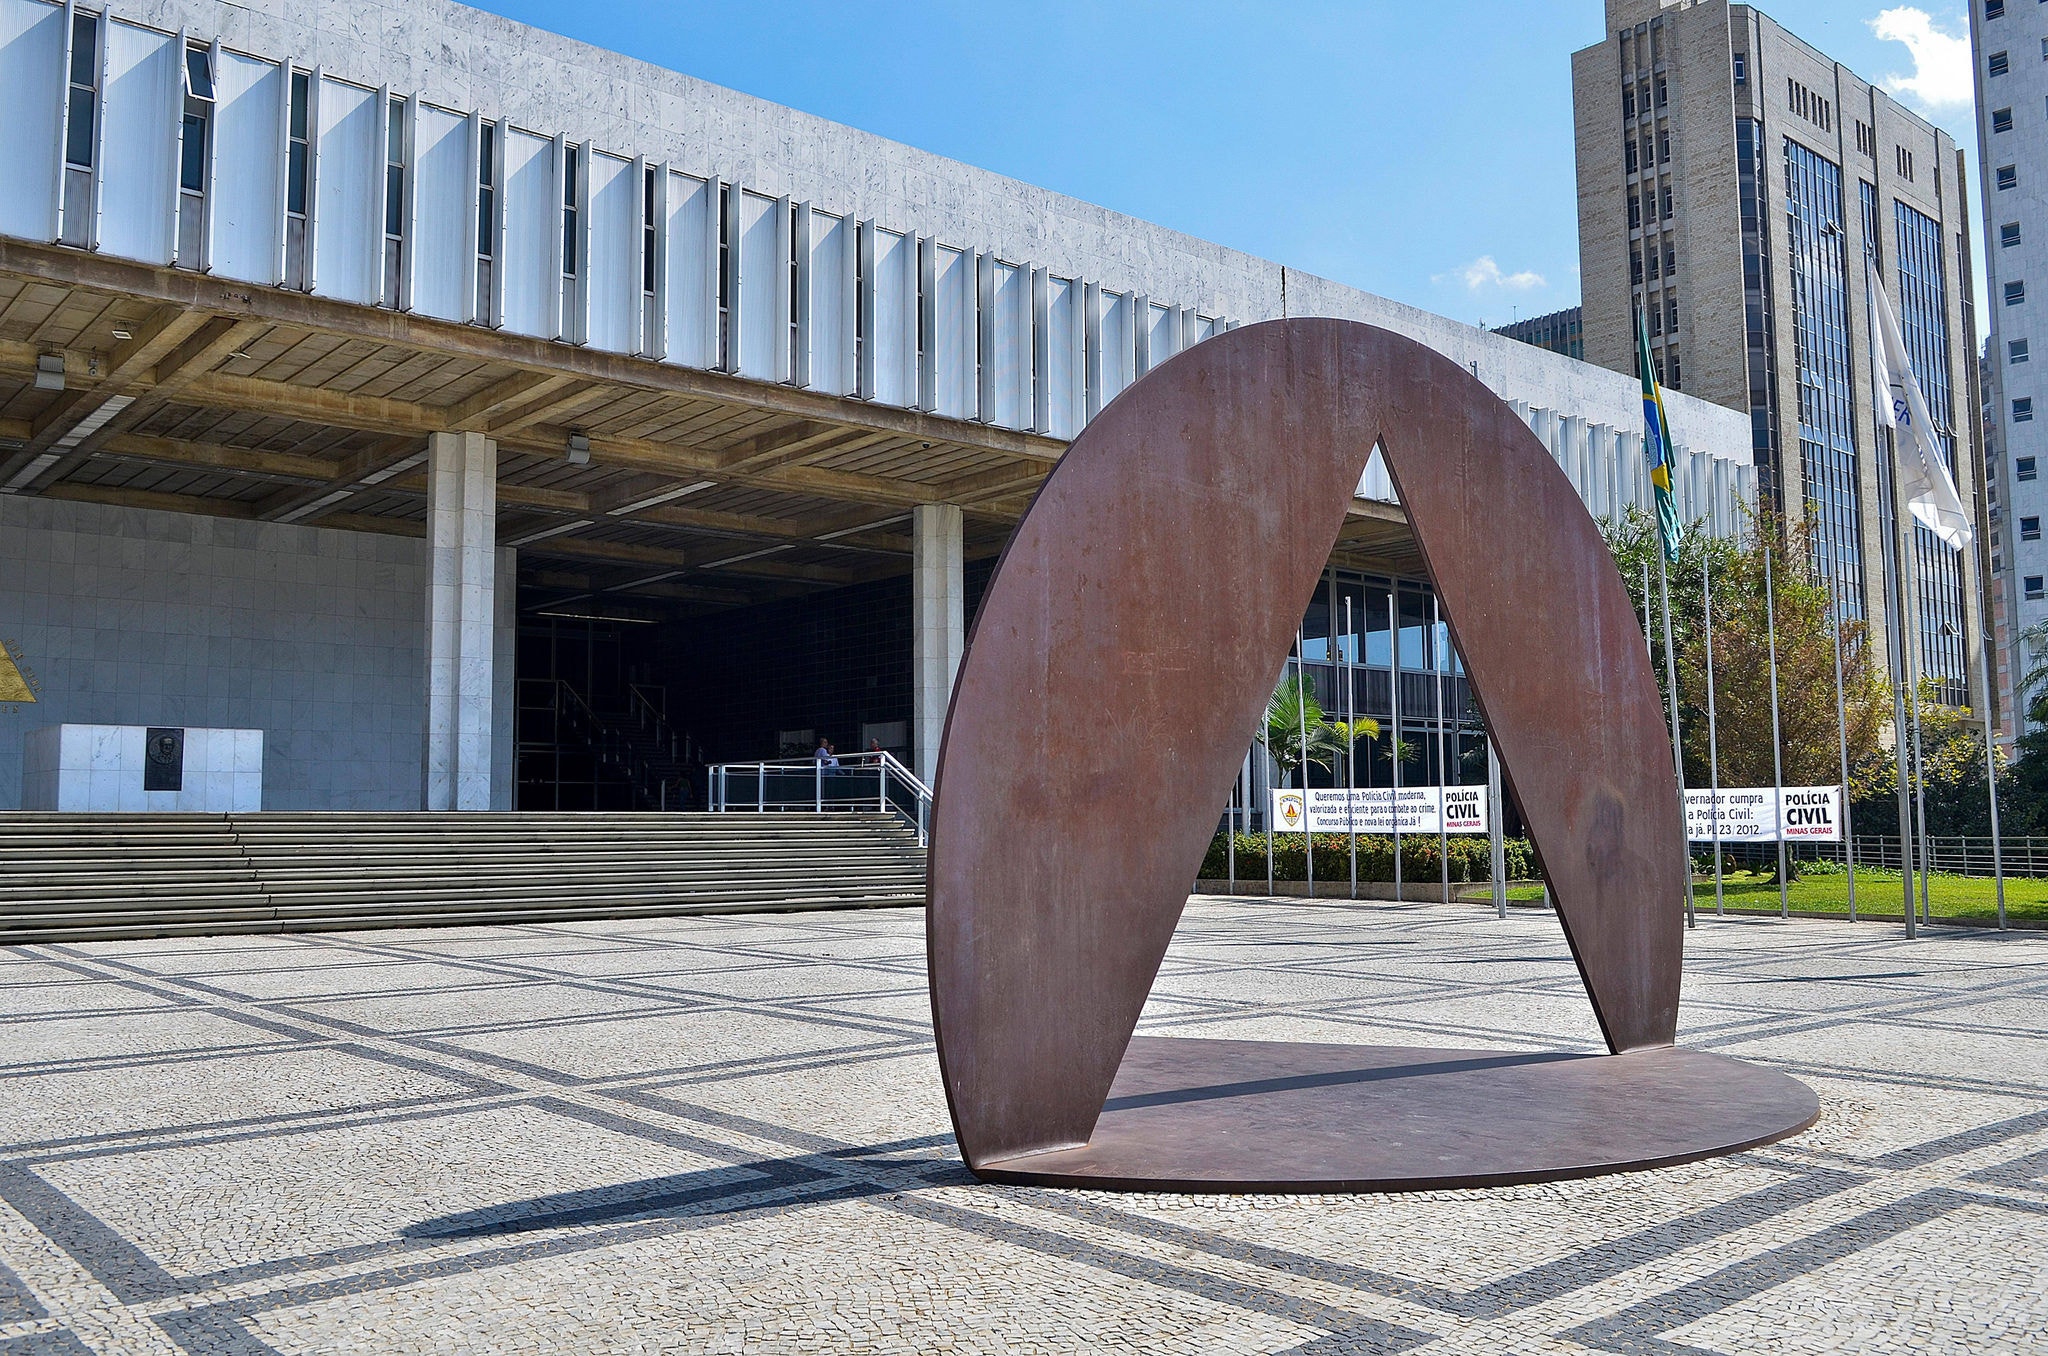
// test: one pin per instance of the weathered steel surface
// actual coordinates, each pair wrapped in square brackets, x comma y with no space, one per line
[1127,645]
[1183,1114]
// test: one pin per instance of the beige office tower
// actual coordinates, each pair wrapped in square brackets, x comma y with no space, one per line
[1732,183]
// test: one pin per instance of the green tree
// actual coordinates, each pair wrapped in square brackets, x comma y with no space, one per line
[1806,635]
[1952,745]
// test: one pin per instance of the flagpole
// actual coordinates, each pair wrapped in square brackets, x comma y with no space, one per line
[1496,830]
[1895,623]
[1308,837]
[1230,827]
[1394,709]
[1894,580]
[1266,810]
[1991,780]
[1713,732]
[1351,740]
[1777,752]
[1910,590]
[1677,754]
[1649,645]
[1436,663]
[1842,737]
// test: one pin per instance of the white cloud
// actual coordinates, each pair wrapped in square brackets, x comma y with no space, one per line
[1484,272]
[1941,63]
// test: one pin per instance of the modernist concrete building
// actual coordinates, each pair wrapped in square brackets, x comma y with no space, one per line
[476,413]
[2010,42]
[1560,331]
[1731,180]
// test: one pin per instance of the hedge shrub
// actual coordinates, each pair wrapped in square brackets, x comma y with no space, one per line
[1420,859]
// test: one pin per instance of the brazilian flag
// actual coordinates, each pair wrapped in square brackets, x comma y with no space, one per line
[1657,442]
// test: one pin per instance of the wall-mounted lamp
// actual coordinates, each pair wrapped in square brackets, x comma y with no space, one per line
[579,450]
[50,372]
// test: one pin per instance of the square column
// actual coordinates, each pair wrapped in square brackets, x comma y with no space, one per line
[462,531]
[938,625]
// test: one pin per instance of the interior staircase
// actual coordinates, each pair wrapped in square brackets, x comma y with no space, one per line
[70,877]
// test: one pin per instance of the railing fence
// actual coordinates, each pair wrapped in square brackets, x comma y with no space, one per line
[859,781]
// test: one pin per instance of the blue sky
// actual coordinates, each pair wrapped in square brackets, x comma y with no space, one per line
[1421,151]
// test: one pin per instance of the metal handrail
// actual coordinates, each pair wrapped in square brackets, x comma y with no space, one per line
[654,719]
[812,774]
[607,743]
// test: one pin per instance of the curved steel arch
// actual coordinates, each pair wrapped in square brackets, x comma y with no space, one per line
[1126,647]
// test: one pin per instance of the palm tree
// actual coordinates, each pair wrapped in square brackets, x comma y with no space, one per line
[1298,731]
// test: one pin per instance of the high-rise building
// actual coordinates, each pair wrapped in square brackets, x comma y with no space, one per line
[1733,181]
[2011,49]
[1560,332]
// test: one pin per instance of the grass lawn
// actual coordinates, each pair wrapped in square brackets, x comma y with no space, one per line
[1876,892]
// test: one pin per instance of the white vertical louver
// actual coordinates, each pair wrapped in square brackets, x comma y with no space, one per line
[828,327]
[1163,337]
[142,105]
[444,225]
[1007,364]
[893,335]
[764,276]
[952,340]
[246,193]
[1117,348]
[530,276]
[1064,368]
[612,277]
[32,112]
[348,239]
[692,274]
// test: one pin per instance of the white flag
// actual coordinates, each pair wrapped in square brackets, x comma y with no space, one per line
[1923,476]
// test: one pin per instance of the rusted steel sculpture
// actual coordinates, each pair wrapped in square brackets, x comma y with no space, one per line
[1125,646]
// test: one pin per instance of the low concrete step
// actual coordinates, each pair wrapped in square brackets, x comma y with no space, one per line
[65,877]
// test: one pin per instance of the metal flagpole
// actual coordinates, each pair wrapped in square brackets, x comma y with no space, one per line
[1713,733]
[1777,754]
[1498,854]
[1991,784]
[1230,825]
[1910,589]
[1895,585]
[1842,732]
[1394,709]
[1266,811]
[1895,623]
[1436,663]
[1308,841]
[1677,756]
[1648,644]
[1350,656]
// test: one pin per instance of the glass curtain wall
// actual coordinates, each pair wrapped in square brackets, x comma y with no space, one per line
[1923,322]
[1756,306]
[1814,246]
[1367,640]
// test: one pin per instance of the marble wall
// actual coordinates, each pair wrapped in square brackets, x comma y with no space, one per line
[77,768]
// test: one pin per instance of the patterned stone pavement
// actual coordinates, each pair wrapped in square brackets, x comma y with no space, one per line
[727,1134]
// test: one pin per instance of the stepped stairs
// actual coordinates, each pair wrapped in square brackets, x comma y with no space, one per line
[80,877]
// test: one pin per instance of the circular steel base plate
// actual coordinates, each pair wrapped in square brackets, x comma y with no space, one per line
[1265,1116]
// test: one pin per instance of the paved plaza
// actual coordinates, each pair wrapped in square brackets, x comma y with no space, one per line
[727,1134]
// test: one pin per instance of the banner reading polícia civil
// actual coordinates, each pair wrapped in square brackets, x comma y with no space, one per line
[1754,815]
[1373,810]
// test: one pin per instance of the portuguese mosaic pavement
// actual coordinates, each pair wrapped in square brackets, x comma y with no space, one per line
[727,1134]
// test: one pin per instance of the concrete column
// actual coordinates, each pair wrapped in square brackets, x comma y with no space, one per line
[938,624]
[462,531]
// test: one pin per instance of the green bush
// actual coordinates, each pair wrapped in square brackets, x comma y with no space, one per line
[1420,859]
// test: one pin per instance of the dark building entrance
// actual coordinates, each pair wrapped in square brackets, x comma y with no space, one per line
[622,708]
